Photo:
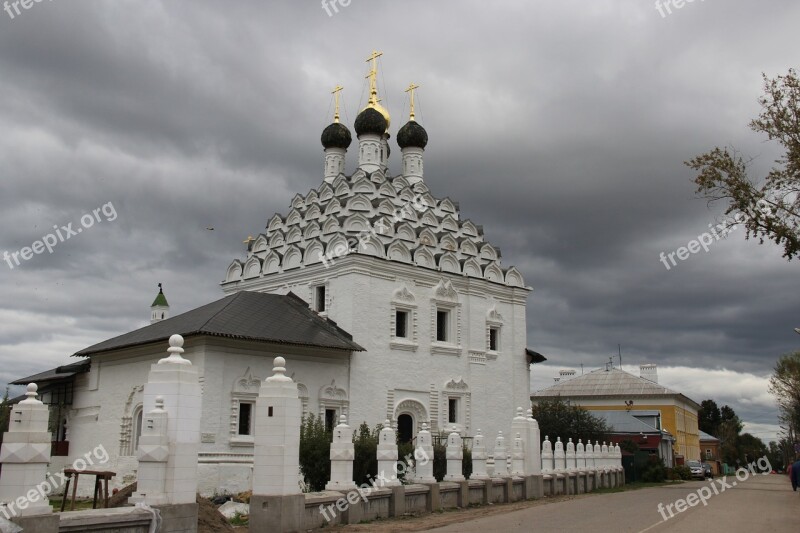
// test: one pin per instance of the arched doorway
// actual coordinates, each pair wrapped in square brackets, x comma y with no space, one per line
[405,428]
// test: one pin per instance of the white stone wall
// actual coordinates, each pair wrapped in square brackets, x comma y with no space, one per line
[225,461]
[360,290]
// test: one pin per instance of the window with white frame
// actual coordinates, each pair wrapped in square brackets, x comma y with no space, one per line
[243,409]
[443,333]
[445,320]
[494,338]
[403,320]
[320,301]
[494,330]
[401,324]
[456,405]
[452,410]
[245,419]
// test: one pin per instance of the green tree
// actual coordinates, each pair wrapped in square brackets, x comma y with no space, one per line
[629,446]
[776,455]
[771,209]
[750,448]
[729,428]
[709,417]
[784,384]
[557,418]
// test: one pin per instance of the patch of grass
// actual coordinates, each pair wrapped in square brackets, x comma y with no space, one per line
[239,520]
[80,504]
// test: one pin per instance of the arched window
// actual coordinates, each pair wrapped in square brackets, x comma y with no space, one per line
[137,429]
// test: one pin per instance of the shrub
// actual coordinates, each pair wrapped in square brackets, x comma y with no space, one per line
[365,465]
[440,457]
[466,465]
[655,471]
[405,450]
[682,472]
[315,451]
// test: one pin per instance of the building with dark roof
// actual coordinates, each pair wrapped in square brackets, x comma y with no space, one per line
[388,303]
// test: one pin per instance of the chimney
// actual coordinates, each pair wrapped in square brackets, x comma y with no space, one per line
[565,375]
[649,372]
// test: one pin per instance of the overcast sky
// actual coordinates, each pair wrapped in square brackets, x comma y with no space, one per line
[561,126]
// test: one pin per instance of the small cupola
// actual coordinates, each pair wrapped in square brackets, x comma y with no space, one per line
[336,139]
[160,309]
[412,139]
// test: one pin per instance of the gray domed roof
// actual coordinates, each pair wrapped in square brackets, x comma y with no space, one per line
[412,134]
[371,121]
[336,135]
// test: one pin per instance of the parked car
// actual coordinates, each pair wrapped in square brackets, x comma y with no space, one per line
[708,471]
[697,470]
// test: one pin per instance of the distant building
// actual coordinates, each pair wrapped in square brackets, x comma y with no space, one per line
[643,428]
[710,448]
[613,389]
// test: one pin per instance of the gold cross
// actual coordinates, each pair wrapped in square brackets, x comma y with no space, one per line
[335,94]
[373,76]
[410,90]
[249,240]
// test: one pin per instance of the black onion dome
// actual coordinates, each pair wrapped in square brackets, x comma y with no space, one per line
[336,135]
[412,134]
[371,121]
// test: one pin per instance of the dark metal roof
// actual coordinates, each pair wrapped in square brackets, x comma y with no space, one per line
[245,315]
[534,357]
[54,375]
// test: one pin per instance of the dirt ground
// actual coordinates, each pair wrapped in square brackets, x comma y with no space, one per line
[209,520]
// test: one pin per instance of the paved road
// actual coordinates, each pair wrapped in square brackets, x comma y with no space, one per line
[761,503]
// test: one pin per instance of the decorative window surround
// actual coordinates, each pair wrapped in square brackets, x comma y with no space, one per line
[132,405]
[312,296]
[404,300]
[445,298]
[457,389]
[494,320]
[245,390]
[333,397]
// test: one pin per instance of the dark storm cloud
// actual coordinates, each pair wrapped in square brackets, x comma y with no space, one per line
[561,127]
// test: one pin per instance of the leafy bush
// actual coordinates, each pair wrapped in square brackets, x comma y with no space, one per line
[365,465]
[466,465]
[315,451]
[682,472]
[655,471]
[404,450]
[440,457]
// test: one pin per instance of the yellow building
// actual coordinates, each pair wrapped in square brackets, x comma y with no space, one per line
[611,388]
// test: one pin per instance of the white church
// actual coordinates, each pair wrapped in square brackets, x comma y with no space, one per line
[385,302]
